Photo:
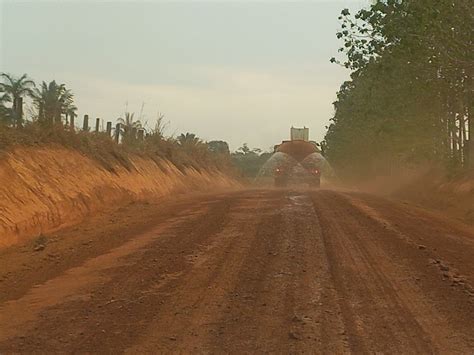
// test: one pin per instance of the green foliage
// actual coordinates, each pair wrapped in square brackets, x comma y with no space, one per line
[13,90]
[53,101]
[219,147]
[409,99]
[249,161]
[188,140]
[6,113]
[128,128]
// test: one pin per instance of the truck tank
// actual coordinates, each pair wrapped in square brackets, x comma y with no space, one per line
[299,148]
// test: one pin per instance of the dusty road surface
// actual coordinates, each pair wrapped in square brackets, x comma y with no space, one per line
[252,271]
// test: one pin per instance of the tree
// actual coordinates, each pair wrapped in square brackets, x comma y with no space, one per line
[219,147]
[410,94]
[6,114]
[17,89]
[188,140]
[129,127]
[245,150]
[53,101]
[249,160]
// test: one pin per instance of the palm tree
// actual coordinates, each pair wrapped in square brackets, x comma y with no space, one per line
[128,127]
[52,101]
[17,89]
[188,140]
[6,114]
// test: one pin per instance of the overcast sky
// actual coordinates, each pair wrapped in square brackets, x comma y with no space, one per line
[240,71]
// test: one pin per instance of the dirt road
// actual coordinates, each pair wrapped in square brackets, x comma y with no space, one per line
[252,271]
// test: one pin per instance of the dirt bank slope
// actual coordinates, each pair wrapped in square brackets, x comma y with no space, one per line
[43,189]
[452,196]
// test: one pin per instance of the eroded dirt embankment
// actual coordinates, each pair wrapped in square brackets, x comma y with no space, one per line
[427,187]
[43,189]
[454,197]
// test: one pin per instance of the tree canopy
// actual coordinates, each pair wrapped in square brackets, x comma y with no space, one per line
[410,94]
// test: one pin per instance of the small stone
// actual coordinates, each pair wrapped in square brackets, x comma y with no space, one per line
[444,267]
[297,319]
[39,247]
[457,279]
[294,336]
[421,247]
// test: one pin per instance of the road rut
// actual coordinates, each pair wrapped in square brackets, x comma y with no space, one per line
[252,271]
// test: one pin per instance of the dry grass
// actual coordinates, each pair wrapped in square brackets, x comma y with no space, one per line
[108,153]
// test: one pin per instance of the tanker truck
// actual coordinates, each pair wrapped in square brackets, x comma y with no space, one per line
[302,166]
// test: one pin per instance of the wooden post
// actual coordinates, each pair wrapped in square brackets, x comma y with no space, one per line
[134,133]
[97,125]
[85,123]
[141,134]
[109,128]
[117,132]
[72,121]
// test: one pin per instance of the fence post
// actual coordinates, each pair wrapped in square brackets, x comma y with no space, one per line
[85,124]
[134,133]
[109,128]
[97,125]
[141,134]
[117,132]
[72,121]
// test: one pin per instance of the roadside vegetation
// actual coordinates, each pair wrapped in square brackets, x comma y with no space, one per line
[410,98]
[51,118]
[249,161]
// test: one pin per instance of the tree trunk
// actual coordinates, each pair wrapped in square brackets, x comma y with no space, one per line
[19,113]
[15,111]
[40,112]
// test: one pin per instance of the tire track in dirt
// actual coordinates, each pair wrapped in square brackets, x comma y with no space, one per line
[22,266]
[199,296]
[380,279]
[275,271]
[113,284]
[449,242]
[282,302]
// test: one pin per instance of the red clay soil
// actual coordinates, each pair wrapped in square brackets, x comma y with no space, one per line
[253,271]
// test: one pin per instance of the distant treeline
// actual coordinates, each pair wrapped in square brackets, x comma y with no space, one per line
[410,97]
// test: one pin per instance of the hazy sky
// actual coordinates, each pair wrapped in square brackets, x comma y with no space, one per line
[241,71]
